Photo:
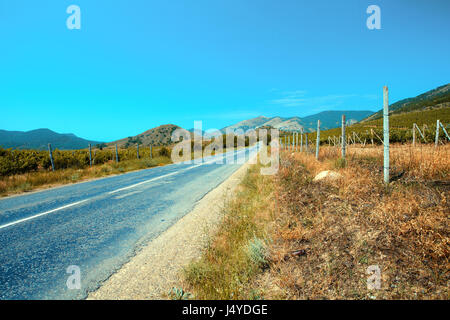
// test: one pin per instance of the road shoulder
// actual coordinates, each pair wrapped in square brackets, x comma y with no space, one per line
[156,268]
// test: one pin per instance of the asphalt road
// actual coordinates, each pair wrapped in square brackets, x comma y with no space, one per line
[95,225]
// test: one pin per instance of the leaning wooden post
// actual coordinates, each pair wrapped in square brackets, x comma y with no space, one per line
[306,142]
[318,139]
[293,141]
[436,140]
[301,141]
[343,137]
[90,155]
[51,156]
[386,132]
[445,131]
[137,144]
[294,138]
[117,154]
[414,134]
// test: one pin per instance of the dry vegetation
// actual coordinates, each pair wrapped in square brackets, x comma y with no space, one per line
[320,237]
[238,251]
[45,179]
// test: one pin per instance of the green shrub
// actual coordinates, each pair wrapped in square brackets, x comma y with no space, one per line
[257,252]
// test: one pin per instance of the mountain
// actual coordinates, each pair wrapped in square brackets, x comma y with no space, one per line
[328,119]
[333,119]
[40,138]
[436,98]
[248,124]
[156,137]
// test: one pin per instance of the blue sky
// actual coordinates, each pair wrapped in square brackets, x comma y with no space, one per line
[138,64]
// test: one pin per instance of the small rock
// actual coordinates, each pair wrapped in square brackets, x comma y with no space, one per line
[328,174]
[296,253]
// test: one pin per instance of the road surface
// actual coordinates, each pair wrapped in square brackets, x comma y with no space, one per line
[96,225]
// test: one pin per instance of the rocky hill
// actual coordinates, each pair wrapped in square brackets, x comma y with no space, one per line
[156,137]
[329,119]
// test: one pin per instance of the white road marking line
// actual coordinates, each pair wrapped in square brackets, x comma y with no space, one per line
[127,194]
[42,214]
[126,188]
[163,176]
[146,181]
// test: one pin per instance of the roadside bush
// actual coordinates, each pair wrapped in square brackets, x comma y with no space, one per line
[164,152]
[257,252]
[17,162]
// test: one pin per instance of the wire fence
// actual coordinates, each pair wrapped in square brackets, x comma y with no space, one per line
[437,135]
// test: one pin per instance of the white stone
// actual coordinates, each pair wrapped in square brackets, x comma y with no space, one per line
[328,174]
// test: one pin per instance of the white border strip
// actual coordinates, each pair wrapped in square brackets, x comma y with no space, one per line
[42,214]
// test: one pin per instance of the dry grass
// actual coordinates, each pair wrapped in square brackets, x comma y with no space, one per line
[20,183]
[346,226]
[321,237]
[46,179]
[421,163]
[238,250]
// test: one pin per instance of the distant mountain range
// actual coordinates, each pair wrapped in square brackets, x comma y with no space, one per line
[40,138]
[157,136]
[436,98]
[328,120]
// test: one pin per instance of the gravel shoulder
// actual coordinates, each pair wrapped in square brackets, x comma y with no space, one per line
[155,269]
